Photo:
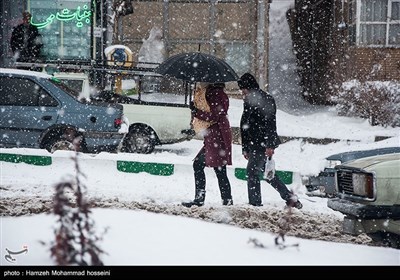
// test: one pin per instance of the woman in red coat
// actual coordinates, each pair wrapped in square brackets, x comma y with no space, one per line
[217,146]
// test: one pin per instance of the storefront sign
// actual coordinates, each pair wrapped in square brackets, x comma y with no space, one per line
[67,15]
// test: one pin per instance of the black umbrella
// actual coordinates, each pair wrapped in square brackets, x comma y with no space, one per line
[197,67]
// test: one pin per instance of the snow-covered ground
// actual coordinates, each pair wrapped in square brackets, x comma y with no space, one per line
[146,224]
[173,236]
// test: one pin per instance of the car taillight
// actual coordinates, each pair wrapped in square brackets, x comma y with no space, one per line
[117,123]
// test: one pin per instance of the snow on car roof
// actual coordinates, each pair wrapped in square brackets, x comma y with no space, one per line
[25,72]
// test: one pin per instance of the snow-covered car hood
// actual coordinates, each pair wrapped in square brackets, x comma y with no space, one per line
[366,163]
[353,155]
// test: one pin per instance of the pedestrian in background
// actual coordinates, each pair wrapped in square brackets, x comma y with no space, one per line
[26,42]
[260,139]
[217,146]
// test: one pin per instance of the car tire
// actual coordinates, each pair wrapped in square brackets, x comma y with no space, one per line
[311,188]
[393,240]
[386,238]
[139,140]
[61,144]
[68,140]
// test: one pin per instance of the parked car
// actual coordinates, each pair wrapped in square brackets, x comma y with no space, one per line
[369,197]
[155,118]
[38,111]
[325,181]
[152,122]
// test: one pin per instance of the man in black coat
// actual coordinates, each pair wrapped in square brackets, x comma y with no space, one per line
[26,40]
[260,139]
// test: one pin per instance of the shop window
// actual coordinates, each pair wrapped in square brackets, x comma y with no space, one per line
[65,27]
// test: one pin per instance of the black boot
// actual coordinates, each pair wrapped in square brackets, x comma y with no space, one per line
[193,203]
[198,200]
[294,202]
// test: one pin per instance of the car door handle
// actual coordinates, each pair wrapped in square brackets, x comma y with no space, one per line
[46,118]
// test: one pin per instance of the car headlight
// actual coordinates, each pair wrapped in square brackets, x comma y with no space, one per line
[363,184]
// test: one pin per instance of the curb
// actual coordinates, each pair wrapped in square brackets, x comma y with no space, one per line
[317,141]
[28,159]
[153,168]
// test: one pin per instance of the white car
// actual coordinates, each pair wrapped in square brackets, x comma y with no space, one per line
[154,118]
[369,196]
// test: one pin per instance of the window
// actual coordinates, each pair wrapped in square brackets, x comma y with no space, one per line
[378,23]
[22,92]
[238,56]
[65,27]
[76,85]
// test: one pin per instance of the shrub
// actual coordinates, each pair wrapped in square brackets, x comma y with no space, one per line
[75,240]
[377,101]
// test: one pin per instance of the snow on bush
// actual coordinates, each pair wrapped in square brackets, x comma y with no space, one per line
[377,101]
[76,242]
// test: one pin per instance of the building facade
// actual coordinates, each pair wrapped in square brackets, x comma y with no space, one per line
[80,30]
[342,40]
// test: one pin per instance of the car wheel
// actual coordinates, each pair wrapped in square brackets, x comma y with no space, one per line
[391,240]
[139,140]
[67,141]
[386,238]
[61,144]
[311,188]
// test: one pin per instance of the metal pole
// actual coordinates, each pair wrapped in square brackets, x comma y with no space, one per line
[212,26]
[261,42]
[312,52]
[166,26]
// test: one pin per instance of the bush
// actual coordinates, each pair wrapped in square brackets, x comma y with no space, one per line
[75,239]
[377,101]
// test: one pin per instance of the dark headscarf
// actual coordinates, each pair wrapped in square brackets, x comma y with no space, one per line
[247,81]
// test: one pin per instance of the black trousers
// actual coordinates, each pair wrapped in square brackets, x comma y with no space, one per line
[200,178]
[255,168]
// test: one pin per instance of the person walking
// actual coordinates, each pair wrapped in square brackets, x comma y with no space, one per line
[217,146]
[260,139]
[26,42]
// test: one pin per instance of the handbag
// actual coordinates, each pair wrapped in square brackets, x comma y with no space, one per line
[200,102]
[269,172]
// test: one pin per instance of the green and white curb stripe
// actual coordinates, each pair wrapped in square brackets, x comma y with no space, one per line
[28,159]
[285,176]
[153,168]
[165,169]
